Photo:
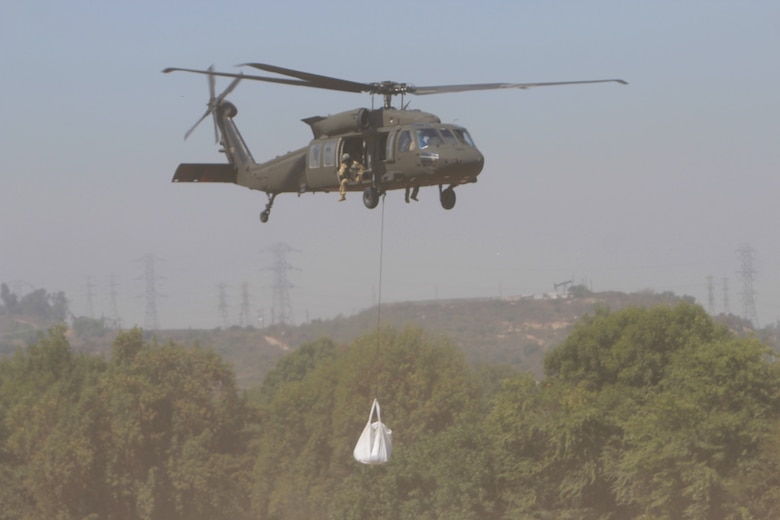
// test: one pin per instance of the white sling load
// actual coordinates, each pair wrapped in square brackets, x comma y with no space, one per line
[375,443]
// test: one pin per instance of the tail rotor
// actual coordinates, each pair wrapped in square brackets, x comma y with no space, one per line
[214,102]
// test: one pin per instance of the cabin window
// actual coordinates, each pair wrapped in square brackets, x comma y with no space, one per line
[464,136]
[314,155]
[428,137]
[405,141]
[448,136]
[389,147]
[329,154]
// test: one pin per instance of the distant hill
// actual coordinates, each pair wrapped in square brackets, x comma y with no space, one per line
[516,332]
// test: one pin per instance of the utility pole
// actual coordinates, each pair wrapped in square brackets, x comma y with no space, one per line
[747,274]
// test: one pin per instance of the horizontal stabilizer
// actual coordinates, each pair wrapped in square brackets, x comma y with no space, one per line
[205,172]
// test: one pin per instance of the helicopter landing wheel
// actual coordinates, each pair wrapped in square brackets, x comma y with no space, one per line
[267,211]
[447,198]
[370,197]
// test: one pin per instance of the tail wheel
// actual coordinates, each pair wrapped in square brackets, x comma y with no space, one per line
[447,198]
[370,197]
[267,211]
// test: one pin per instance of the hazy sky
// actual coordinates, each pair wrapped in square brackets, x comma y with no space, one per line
[655,185]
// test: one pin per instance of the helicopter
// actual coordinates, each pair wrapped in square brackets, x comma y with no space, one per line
[398,148]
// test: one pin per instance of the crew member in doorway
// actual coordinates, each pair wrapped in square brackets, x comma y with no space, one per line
[350,170]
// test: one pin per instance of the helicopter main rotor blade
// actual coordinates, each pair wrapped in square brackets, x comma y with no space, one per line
[384,88]
[442,89]
[314,80]
[242,76]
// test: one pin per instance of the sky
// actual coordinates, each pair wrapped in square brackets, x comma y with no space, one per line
[656,185]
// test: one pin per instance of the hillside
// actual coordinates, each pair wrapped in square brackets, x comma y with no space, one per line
[515,332]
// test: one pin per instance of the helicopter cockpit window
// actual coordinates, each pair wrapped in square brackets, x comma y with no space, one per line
[428,137]
[449,138]
[314,155]
[329,154]
[464,136]
[405,141]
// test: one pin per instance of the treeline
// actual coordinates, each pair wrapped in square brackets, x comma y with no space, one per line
[38,303]
[643,413]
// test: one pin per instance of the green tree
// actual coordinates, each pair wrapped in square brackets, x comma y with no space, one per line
[631,347]
[705,444]
[300,362]
[10,300]
[656,412]
[155,433]
[86,328]
[308,430]
[174,433]
[50,445]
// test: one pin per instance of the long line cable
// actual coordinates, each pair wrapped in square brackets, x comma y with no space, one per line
[379,296]
[381,254]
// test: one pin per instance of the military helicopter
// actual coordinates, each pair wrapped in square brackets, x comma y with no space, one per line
[400,148]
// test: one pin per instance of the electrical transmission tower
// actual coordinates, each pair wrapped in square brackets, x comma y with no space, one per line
[151,319]
[243,315]
[116,322]
[223,306]
[710,295]
[747,274]
[281,308]
[726,306]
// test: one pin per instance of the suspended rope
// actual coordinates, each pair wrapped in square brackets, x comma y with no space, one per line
[375,363]
[379,292]
[375,443]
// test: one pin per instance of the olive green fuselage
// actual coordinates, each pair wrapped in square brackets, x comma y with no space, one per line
[398,149]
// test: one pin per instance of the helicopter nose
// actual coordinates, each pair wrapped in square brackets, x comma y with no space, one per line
[462,166]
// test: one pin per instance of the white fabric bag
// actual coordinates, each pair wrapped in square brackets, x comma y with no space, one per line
[375,443]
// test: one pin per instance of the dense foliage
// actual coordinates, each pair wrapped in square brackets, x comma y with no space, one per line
[38,303]
[643,413]
[154,433]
